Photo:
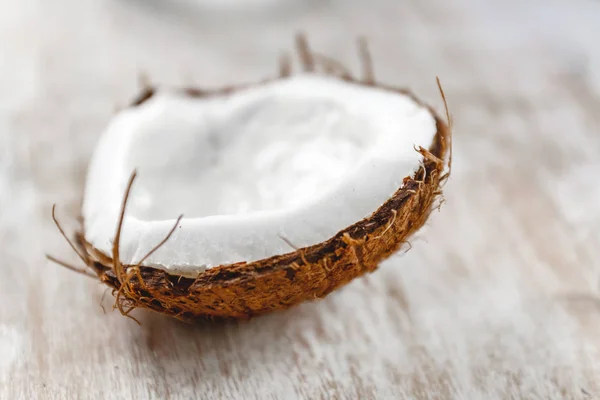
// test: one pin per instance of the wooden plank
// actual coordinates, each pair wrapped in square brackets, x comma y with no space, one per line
[498,297]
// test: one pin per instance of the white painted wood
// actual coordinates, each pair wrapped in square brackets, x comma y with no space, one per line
[498,297]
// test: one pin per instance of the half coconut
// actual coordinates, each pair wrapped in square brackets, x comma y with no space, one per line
[290,188]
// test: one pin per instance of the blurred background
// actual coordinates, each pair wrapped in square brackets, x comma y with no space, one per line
[498,297]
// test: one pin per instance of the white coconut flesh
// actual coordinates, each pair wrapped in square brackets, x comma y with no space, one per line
[297,159]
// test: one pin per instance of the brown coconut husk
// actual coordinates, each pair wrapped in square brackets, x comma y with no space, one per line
[246,289]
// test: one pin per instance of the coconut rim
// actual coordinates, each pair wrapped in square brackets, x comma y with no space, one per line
[430,173]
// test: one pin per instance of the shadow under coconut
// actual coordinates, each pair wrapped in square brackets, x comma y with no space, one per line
[201,355]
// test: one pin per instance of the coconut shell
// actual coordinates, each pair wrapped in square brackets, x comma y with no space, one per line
[246,289]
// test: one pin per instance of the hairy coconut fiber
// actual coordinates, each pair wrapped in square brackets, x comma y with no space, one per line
[243,289]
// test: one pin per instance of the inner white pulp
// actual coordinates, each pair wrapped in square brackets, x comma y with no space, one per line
[297,159]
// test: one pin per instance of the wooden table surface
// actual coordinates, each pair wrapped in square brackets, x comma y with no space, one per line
[498,297]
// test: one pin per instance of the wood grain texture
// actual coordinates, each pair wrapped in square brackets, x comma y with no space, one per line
[498,297]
